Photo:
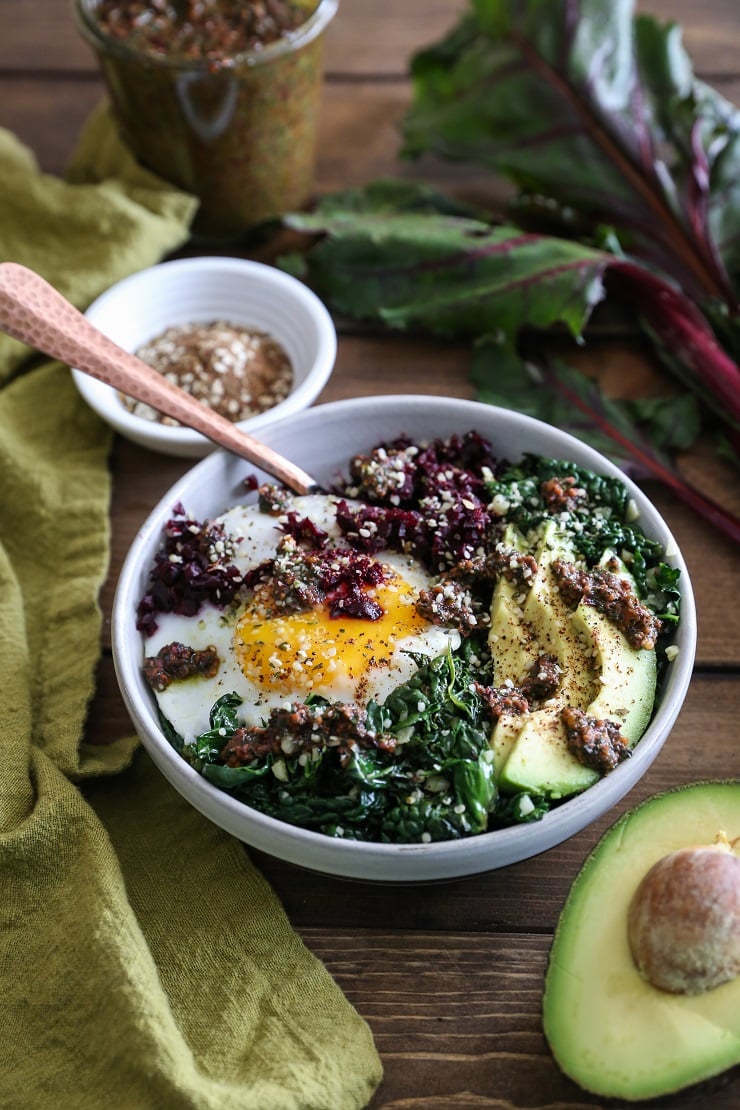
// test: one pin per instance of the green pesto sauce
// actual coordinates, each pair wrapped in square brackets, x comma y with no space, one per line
[238,132]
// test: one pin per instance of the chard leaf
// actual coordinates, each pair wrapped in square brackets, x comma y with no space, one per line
[683,337]
[601,114]
[170,732]
[394,253]
[229,778]
[224,712]
[560,395]
[674,422]
[389,196]
[205,749]
[447,274]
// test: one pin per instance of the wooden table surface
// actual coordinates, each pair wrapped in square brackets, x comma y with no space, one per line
[448,976]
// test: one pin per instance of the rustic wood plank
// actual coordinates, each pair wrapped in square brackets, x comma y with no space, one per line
[376,39]
[457,1019]
[359,138]
[450,979]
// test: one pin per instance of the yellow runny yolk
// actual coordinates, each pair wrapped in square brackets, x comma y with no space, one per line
[313,650]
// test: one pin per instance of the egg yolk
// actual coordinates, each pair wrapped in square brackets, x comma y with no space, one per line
[303,652]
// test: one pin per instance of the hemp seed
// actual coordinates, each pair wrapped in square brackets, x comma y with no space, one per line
[236,371]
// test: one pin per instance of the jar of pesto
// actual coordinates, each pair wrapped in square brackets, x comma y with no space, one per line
[219,97]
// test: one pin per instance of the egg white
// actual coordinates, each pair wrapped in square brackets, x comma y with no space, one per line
[187,704]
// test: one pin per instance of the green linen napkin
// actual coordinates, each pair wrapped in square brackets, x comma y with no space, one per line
[144,962]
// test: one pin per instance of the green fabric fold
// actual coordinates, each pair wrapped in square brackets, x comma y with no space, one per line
[144,961]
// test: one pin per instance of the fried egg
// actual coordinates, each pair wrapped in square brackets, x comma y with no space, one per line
[273,659]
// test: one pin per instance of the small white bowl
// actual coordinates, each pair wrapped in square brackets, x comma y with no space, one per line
[321,440]
[200,290]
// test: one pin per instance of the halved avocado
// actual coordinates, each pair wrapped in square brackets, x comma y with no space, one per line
[608,1029]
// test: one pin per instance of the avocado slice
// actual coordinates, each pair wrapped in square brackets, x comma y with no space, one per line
[602,675]
[530,752]
[608,1029]
[628,677]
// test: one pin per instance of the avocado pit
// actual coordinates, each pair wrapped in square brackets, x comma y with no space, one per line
[684,920]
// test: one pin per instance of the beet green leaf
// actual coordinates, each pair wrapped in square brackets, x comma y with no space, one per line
[625,431]
[600,113]
[447,274]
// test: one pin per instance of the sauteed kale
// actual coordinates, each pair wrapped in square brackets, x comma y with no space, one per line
[418,768]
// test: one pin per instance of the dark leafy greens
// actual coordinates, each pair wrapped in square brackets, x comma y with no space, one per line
[536,89]
[437,785]
[531,90]
[380,257]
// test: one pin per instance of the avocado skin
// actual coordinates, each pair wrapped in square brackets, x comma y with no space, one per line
[608,1029]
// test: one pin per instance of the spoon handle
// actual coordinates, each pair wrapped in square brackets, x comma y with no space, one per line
[34,312]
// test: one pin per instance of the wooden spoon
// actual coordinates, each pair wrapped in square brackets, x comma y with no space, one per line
[34,312]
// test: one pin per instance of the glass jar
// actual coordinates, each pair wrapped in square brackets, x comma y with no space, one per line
[239,133]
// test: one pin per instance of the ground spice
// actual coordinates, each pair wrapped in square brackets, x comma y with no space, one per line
[236,371]
[194,29]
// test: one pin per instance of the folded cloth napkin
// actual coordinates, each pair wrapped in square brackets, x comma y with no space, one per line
[144,962]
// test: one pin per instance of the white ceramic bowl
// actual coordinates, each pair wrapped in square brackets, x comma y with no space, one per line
[321,440]
[200,290]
